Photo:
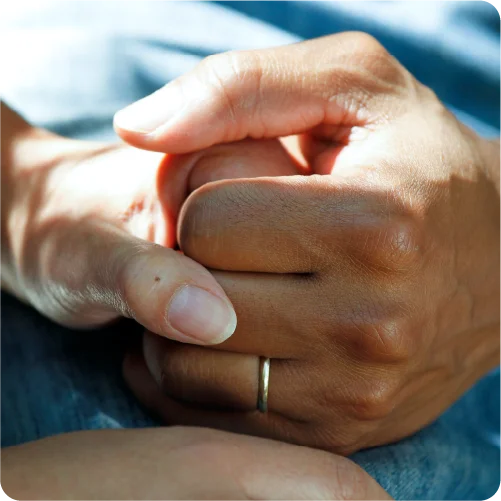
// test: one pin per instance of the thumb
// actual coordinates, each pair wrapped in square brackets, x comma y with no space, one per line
[101,272]
[336,80]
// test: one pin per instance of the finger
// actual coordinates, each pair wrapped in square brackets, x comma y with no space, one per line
[102,272]
[215,379]
[275,312]
[173,412]
[179,175]
[316,474]
[219,379]
[289,224]
[326,411]
[266,93]
[313,317]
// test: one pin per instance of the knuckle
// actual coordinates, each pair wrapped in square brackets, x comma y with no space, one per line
[232,75]
[385,341]
[364,43]
[405,201]
[375,402]
[402,241]
[221,71]
[226,66]
[369,54]
[385,235]
[396,245]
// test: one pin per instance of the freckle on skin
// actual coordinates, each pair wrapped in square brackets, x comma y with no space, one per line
[157,279]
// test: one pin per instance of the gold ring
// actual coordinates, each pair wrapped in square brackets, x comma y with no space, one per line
[264,379]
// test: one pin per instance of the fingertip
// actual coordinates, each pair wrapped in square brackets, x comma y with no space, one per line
[138,139]
[149,113]
[163,140]
[159,121]
[168,293]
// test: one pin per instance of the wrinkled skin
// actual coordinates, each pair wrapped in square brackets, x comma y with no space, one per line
[372,283]
[88,230]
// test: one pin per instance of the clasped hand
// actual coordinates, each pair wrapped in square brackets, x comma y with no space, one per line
[372,283]
[361,254]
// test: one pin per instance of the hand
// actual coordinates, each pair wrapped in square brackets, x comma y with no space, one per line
[178,463]
[85,228]
[373,284]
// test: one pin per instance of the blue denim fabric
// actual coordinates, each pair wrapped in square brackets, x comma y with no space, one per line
[76,63]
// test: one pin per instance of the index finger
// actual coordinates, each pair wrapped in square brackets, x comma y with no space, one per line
[266,93]
[292,224]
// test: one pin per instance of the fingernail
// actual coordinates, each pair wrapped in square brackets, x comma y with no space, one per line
[148,114]
[201,316]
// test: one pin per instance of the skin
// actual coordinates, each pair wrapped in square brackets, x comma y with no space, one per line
[85,254]
[178,463]
[372,283]
[88,231]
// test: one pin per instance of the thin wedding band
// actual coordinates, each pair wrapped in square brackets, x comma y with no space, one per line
[264,379]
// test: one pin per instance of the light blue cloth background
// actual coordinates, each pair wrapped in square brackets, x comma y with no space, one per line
[69,66]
